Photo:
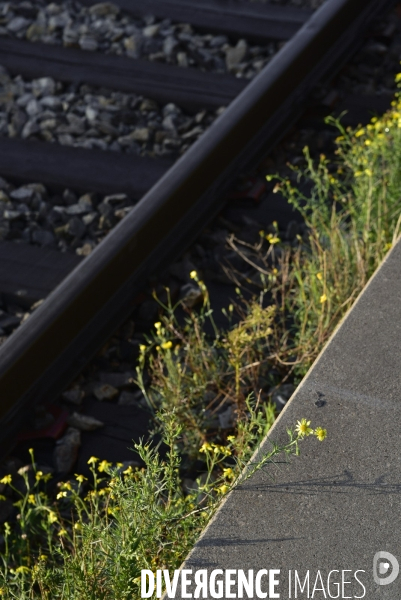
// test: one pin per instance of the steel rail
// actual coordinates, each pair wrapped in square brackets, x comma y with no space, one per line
[53,345]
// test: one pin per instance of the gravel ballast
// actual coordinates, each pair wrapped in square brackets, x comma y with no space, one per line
[104,28]
[83,116]
[67,222]
[314,4]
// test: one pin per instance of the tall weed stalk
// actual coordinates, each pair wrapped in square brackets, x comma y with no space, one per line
[353,217]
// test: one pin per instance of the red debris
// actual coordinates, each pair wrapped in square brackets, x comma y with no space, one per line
[53,430]
[252,190]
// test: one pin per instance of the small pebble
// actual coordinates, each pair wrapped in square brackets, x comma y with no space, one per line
[84,422]
[66,450]
[74,396]
[105,392]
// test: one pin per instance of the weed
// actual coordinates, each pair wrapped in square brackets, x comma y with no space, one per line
[206,380]
[92,543]
[353,217]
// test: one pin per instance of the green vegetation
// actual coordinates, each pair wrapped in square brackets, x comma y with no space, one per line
[92,543]
[196,375]
[353,215]
[89,539]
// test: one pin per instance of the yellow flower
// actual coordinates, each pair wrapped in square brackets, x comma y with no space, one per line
[39,475]
[167,345]
[22,569]
[52,518]
[231,438]
[119,465]
[6,479]
[272,239]
[221,450]
[303,429]
[61,495]
[229,473]
[112,510]
[77,526]
[43,557]
[80,478]
[90,495]
[142,348]
[193,274]
[320,433]
[368,143]
[128,470]
[223,489]
[206,447]
[93,460]
[104,465]
[66,485]
[369,172]
[358,173]
[158,325]
[32,499]
[359,132]
[323,298]
[62,532]
[319,276]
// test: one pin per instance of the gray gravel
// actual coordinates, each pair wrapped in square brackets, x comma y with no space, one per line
[67,222]
[104,28]
[296,3]
[96,118]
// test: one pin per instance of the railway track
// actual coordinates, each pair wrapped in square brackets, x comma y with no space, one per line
[96,294]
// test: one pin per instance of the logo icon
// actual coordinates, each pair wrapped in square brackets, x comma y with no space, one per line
[381,564]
